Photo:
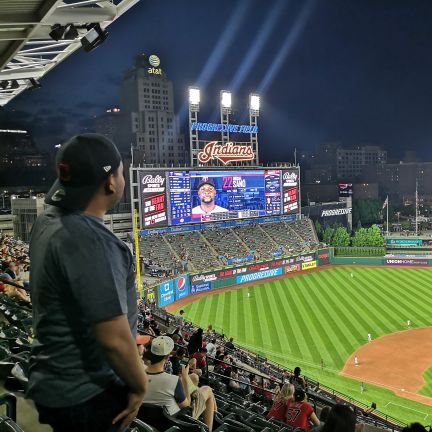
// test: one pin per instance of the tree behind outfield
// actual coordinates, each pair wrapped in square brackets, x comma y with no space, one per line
[360,238]
[328,235]
[319,230]
[375,238]
[341,237]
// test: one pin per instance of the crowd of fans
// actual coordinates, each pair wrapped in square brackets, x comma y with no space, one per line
[166,255]
[198,374]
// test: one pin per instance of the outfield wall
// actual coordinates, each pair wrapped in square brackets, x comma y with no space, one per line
[198,282]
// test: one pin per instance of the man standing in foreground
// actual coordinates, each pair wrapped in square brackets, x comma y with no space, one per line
[85,373]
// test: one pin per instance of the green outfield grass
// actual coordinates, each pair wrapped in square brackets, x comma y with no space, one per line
[326,315]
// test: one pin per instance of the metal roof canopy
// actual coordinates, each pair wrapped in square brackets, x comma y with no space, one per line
[26,49]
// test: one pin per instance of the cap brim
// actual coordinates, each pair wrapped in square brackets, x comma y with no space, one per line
[71,198]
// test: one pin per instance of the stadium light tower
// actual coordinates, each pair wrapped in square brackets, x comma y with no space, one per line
[194,106]
[254,111]
[225,106]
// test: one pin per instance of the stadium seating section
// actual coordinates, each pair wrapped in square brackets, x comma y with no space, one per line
[242,406]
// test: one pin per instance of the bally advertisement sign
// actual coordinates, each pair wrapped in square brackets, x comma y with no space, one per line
[153,199]
[226,153]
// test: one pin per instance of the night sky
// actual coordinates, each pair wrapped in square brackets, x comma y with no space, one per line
[354,71]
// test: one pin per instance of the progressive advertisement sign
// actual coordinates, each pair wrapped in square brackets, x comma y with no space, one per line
[406,261]
[264,274]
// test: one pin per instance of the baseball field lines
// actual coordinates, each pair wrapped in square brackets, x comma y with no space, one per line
[326,315]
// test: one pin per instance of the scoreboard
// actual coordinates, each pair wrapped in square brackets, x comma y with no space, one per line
[170,198]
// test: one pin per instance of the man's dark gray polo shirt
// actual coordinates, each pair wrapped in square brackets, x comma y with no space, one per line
[80,274]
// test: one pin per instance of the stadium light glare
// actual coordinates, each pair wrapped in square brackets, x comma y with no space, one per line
[254,102]
[194,96]
[225,99]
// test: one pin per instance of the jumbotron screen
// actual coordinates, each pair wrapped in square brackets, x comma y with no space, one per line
[198,196]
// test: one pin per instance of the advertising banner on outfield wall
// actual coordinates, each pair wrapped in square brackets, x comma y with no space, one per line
[166,293]
[292,268]
[309,265]
[323,256]
[406,261]
[259,275]
[181,285]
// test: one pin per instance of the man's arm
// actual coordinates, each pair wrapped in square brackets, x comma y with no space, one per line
[115,338]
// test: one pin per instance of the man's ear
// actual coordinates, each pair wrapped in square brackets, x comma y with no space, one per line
[109,185]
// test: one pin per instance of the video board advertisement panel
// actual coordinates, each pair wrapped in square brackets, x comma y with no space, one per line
[174,198]
[323,256]
[153,199]
[290,190]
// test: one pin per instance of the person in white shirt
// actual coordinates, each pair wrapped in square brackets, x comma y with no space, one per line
[207,196]
[211,348]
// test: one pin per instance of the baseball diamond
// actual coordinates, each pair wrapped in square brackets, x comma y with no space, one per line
[323,318]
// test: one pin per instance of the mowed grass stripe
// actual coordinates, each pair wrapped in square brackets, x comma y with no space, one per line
[405,306]
[417,289]
[371,309]
[330,327]
[305,318]
[255,315]
[283,310]
[356,303]
[378,301]
[326,330]
[297,323]
[240,317]
[270,317]
[343,308]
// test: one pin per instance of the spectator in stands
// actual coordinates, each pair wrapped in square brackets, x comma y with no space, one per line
[85,373]
[297,380]
[207,195]
[11,270]
[299,413]
[211,348]
[165,389]
[195,341]
[341,418]
[414,427]
[192,363]
[323,416]
[179,320]
[176,360]
[279,407]
[230,344]
[175,392]
[201,358]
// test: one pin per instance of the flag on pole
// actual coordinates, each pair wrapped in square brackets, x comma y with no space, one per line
[385,203]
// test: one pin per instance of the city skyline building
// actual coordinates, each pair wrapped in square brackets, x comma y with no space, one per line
[149,125]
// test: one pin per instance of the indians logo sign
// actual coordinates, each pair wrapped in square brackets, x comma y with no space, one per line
[226,153]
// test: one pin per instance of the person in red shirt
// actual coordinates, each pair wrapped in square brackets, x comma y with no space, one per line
[280,401]
[200,357]
[299,412]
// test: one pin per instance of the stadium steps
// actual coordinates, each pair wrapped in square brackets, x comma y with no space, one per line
[266,234]
[171,248]
[240,239]
[204,239]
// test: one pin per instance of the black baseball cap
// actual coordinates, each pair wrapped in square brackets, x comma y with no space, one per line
[205,181]
[82,164]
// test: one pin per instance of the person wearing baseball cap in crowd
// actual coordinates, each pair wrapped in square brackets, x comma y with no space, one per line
[85,373]
[175,391]
[207,194]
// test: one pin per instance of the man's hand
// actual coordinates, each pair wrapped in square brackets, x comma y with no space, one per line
[185,372]
[130,412]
